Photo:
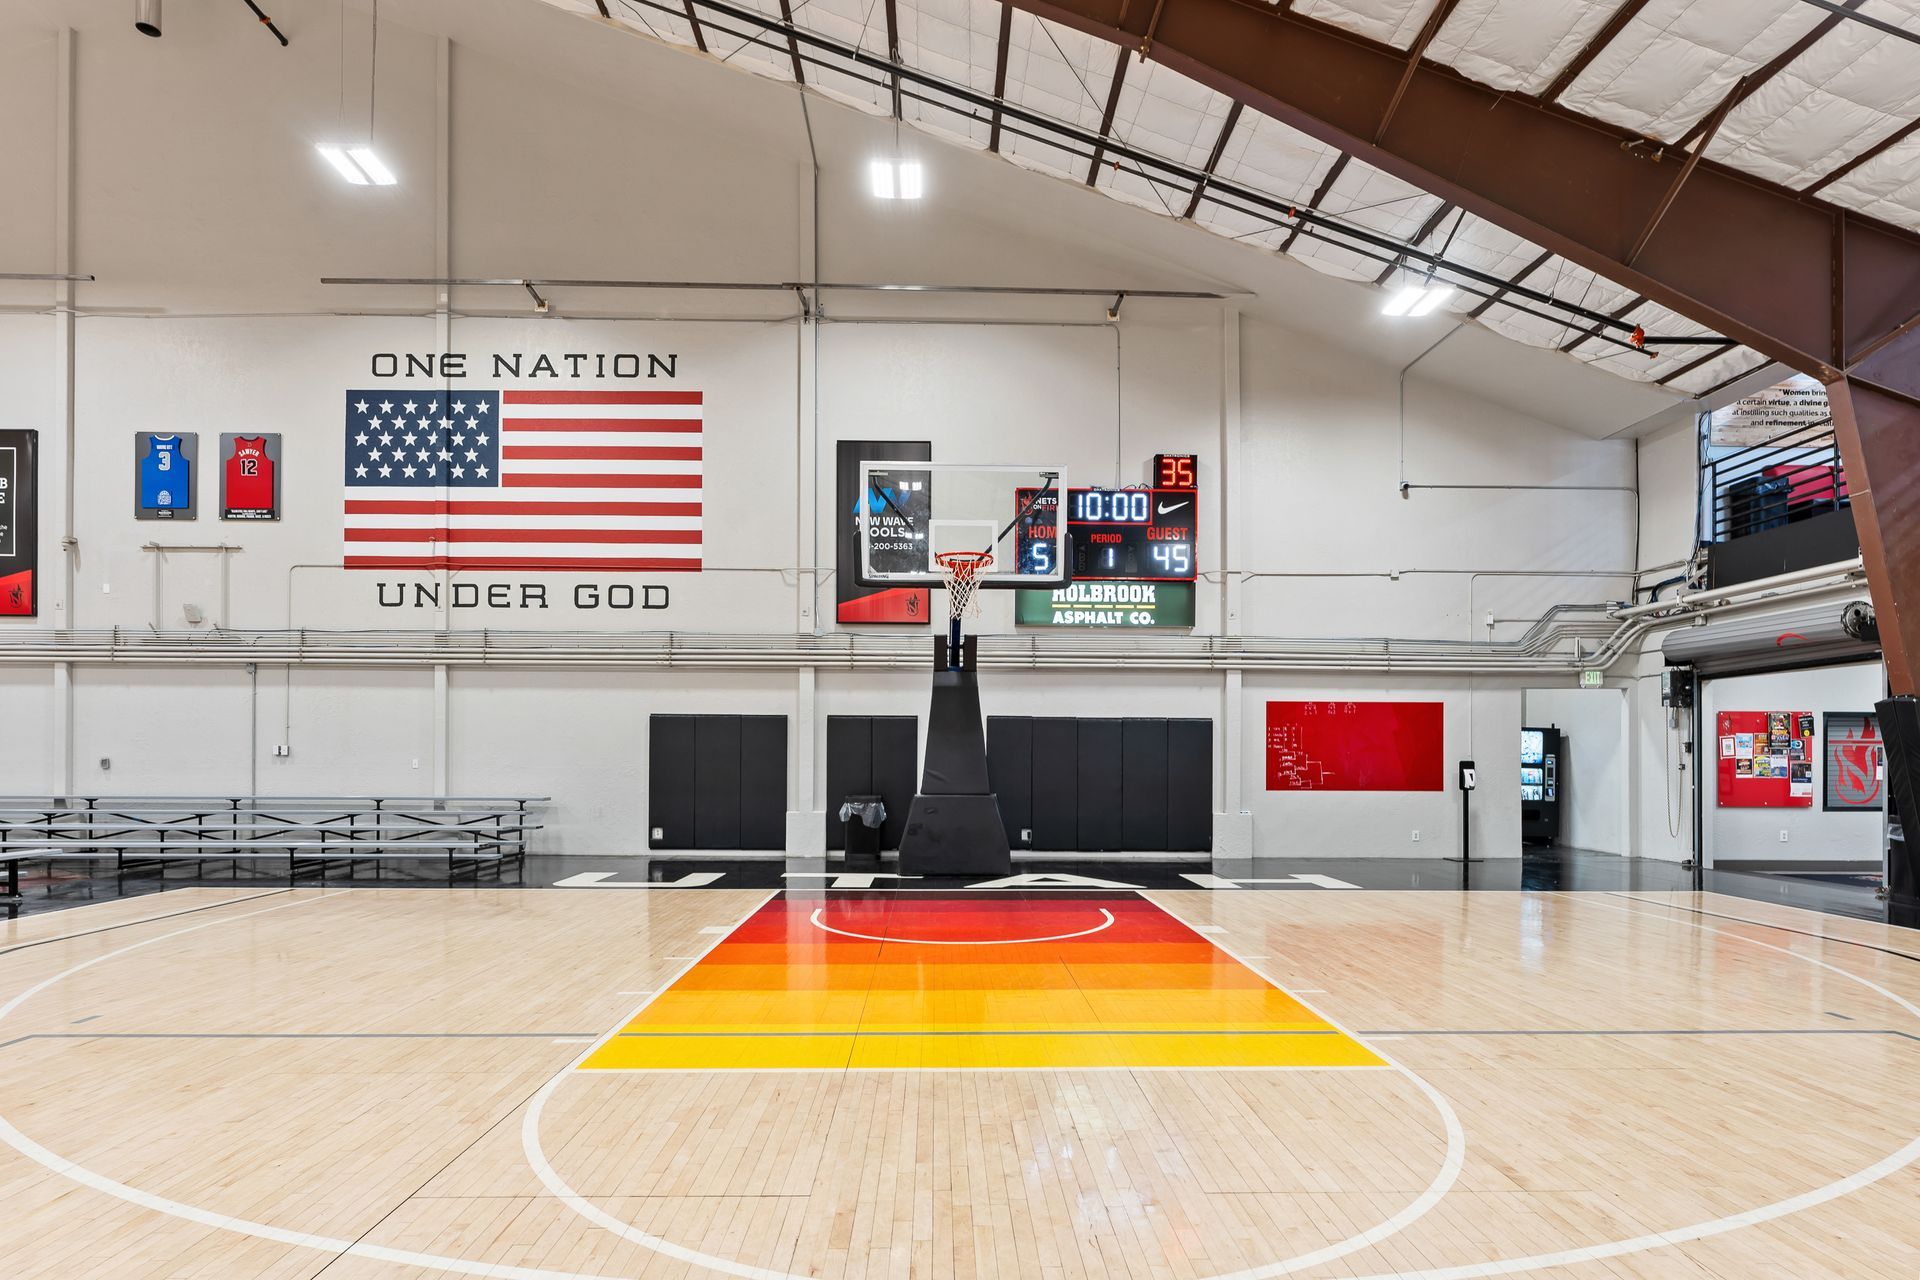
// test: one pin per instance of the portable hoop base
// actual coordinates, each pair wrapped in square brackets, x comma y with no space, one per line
[954,827]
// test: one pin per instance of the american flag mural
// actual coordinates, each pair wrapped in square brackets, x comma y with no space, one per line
[523,479]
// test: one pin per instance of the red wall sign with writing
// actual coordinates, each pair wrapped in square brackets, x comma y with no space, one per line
[1356,746]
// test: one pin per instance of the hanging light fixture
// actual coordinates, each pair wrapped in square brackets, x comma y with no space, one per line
[358,164]
[146,17]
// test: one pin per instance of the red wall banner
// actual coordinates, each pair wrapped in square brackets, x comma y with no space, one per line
[1766,759]
[1355,746]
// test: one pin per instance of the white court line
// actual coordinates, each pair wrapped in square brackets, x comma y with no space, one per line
[1450,1165]
[241,1226]
[530,1140]
[1700,1230]
[820,924]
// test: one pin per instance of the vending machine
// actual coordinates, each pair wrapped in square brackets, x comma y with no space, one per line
[1540,785]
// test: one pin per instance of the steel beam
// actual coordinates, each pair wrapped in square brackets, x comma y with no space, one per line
[1604,37]
[1615,314]
[1564,181]
[793,45]
[1818,288]
[1879,435]
[1334,171]
[1106,118]
[1518,277]
[999,73]
[1687,368]
[699,34]
[1213,159]
[1754,79]
[893,51]
[1873,152]
[1427,228]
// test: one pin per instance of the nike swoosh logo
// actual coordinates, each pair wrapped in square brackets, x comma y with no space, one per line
[1164,508]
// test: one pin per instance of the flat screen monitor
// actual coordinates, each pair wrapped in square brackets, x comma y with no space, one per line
[1533,746]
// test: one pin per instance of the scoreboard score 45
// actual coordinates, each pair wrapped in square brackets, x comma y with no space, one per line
[1132,535]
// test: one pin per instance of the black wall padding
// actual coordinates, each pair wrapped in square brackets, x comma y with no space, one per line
[670,782]
[763,782]
[1056,784]
[872,755]
[1143,782]
[1010,773]
[1189,785]
[896,758]
[849,769]
[1101,756]
[717,782]
[1102,785]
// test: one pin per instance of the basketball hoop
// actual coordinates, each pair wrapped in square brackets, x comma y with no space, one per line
[961,571]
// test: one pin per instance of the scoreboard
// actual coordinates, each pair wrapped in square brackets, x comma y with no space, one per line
[1135,535]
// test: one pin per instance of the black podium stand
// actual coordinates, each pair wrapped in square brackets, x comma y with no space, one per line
[954,827]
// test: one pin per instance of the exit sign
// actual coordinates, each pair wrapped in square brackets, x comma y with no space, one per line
[1591,679]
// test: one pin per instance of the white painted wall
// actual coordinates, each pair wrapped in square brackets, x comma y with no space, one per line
[570,151]
[1593,762]
[1813,835]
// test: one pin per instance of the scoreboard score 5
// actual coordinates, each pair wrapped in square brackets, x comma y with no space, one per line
[1134,535]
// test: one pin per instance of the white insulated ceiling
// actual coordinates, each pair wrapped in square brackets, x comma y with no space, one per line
[1839,98]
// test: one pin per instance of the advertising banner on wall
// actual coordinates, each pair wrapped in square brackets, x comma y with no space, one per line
[1107,604]
[19,524]
[856,603]
[1355,746]
[1767,415]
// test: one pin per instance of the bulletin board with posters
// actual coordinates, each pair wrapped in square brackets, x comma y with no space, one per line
[1766,759]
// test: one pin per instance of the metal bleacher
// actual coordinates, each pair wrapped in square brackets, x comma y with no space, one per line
[315,836]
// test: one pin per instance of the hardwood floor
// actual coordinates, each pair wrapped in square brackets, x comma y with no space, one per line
[388,1083]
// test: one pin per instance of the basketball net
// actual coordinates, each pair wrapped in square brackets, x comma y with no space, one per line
[962,571]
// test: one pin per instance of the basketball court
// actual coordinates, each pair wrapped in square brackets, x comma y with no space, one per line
[944,639]
[756,1084]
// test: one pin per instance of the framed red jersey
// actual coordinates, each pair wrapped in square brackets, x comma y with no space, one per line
[249,477]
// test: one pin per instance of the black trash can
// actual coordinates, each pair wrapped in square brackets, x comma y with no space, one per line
[863,816]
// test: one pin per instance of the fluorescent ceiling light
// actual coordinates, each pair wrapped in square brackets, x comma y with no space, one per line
[1435,295]
[896,179]
[1417,300]
[358,165]
[346,168]
[1402,302]
[375,169]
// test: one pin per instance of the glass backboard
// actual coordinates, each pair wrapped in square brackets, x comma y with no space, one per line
[914,511]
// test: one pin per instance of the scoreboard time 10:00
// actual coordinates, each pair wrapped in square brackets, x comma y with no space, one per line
[1129,534]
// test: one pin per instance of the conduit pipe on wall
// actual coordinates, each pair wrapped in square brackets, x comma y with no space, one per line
[846,651]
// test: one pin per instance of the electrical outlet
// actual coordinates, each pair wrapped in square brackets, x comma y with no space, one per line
[659,833]
[1416,835]
[1783,835]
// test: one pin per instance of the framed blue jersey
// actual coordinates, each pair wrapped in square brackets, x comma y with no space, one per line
[163,465]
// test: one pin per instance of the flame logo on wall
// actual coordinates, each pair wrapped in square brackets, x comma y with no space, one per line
[1855,762]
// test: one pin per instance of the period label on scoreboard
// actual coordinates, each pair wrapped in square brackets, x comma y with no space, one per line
[19,524]
[249,476]
[1107,604]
